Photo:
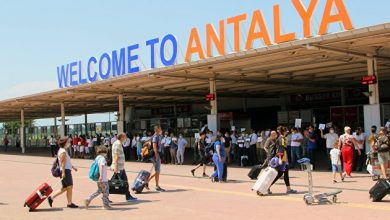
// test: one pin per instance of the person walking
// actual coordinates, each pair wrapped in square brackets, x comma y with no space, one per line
[201,145]
[157,148]
[118,162]
[335,157]
[331,139]
[346,144]
[382,147]
[218,159]
[283,170]
[102,183]
[181,147]
[66,168]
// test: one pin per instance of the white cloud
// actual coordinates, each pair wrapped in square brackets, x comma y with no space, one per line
[27,88]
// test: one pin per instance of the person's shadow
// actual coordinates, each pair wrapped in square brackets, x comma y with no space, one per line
[48,210]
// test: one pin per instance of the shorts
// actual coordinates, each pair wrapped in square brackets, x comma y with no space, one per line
[157,164]
[336,168]
[203,160]
[68,179]
[86,149]
[76,148]
[383,158]
[82,149]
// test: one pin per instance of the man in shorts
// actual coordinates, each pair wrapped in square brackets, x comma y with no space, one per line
[157,149]
[202,154]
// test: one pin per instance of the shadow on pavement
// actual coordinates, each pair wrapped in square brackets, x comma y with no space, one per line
[133,203]
[3,203]
[49,210]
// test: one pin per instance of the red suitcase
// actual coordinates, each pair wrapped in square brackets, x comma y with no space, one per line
[38,196]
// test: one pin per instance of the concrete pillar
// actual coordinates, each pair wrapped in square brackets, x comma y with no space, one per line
[22,130]
[374,88]
[121,115]
[342,96]
[212,119]
[213,90]
[86,123]
[55,127]
[372,112]
[62,128]
[129,117]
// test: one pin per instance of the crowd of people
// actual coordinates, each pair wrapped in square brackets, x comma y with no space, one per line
[345,153]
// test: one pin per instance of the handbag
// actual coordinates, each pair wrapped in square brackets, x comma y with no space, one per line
[55,169]
[117,185]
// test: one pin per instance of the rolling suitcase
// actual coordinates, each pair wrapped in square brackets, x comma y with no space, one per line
[38,196]
[380,190]
[255,171]
[141,181]
[267,176]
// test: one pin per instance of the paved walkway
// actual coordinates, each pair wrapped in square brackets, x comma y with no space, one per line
[186,197]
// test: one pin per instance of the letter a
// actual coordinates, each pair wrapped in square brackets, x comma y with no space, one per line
[197,48]
[341,16]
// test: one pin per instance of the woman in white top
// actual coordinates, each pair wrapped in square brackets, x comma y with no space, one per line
[66,173]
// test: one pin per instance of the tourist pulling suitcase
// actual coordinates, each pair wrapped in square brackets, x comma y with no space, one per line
[38,196]
[141,181]
[267,176]
[380,190]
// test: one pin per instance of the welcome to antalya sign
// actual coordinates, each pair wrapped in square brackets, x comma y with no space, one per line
[123,61]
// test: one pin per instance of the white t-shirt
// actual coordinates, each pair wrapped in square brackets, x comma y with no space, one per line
[294,138]
[331,139]
[360,137]
[102,162]
[68,164]
[334,154]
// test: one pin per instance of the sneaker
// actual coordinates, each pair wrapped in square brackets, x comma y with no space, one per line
[86,203]
[72,206]
[107,207]
[159,189]
[334,181]
[205,175]
[193,172]
[50,201]
[109,201]
[147,186]
[291,191]
[131,199]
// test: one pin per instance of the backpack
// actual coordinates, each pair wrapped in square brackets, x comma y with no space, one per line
[94,170]
[55,169]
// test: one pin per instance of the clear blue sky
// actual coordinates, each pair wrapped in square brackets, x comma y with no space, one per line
[37,36]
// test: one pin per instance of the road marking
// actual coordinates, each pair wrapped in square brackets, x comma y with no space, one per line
[284,198]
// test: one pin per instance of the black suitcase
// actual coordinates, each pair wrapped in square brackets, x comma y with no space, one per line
[141,181]
[255,171]
[380,190]
[117,185]
[224,176]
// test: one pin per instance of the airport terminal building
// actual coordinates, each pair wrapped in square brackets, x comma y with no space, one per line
[343,78]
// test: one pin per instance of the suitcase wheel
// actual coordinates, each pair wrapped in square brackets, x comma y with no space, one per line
[260,194]
[334,199]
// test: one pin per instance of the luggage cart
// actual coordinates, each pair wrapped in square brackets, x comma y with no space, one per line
[373,167]
[309,197]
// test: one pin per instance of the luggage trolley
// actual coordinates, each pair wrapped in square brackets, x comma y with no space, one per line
[309,197]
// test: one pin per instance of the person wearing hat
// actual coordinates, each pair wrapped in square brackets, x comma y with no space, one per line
[66,173]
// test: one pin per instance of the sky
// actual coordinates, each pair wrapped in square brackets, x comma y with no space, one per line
[37,36]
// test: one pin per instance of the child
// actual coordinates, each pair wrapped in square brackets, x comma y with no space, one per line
[102,183]
[335,154]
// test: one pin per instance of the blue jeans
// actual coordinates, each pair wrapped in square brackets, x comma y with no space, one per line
[295,155]
[219,171]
